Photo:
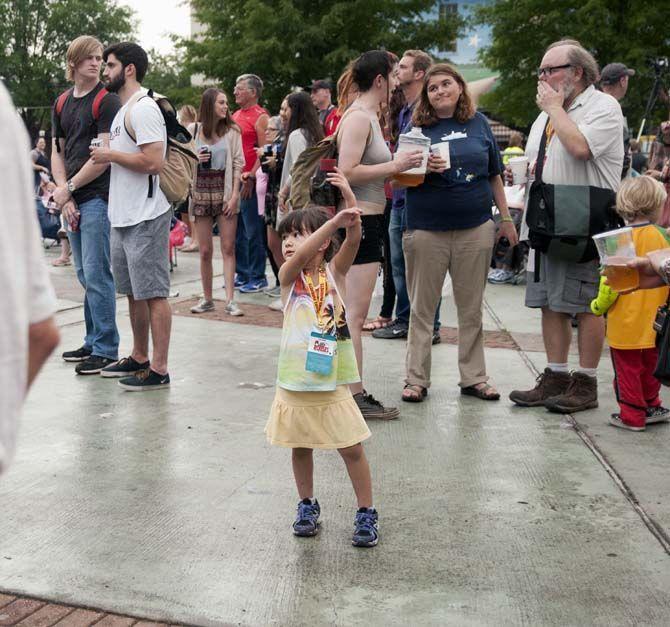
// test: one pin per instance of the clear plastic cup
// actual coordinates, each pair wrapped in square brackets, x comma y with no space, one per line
[519,167]
[616,248]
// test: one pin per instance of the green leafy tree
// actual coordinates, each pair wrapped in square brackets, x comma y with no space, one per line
[289,43]
[612,30]
[169,76]
[34,38]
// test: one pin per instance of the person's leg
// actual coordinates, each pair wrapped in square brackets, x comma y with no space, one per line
[227,232]
[274,244]
[360,283]
[556,335]
[590,339]
[388,300]
[302,460]
[139,323]
[97,269]
[242,244]
[203,227]
[359,473]
[255,226]
[398,267]
[651,386]
[161,325]
[427,258]
[75,245]
[628,369]
[470,258]
[268,252]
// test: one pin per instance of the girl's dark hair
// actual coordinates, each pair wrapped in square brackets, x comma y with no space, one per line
[207,115]
[369,66]
[304,116]
[306,221]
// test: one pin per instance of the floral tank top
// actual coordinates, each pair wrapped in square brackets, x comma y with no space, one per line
[300,319]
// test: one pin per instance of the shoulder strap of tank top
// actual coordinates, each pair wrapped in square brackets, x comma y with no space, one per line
[344,115]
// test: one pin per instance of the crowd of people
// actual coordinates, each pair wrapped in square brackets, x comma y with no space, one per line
[110,144]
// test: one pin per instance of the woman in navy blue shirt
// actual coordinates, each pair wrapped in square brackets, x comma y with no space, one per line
[450,229]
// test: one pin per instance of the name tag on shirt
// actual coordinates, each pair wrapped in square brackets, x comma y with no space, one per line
[320,353]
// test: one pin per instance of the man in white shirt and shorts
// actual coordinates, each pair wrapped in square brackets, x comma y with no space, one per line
[140,217]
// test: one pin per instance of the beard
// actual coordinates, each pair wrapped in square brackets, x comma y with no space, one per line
[116,84]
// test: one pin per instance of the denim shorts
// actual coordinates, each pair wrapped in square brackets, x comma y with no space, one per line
[140,258]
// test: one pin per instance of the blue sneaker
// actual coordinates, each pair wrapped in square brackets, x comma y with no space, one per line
[307,521]
[239,282]
[254,286]
[366,528]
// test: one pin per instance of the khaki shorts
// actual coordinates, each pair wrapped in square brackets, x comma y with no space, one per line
[563,286]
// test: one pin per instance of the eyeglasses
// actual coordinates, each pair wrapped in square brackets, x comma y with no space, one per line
[272,128]
[550,70]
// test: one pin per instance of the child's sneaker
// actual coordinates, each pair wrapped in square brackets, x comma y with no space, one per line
[366,528]
[616,421]
[657,414]
[307,521]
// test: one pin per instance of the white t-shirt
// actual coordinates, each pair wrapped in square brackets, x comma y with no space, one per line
[129,201]
[27,293]
[598,117]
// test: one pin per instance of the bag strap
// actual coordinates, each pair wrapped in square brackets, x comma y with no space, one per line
[127,124]
[539,164]
[97,103]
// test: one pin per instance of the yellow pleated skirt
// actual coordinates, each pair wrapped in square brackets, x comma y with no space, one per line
[324,420]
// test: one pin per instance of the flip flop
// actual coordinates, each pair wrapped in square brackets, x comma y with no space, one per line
[377,323]
[61,262]
[484,392]
[418,393]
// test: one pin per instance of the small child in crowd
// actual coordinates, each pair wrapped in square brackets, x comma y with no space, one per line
[630,318]
[313,406]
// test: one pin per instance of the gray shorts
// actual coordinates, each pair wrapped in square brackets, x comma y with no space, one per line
[140,258]
[564,287]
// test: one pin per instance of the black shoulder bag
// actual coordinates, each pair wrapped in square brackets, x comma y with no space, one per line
[562,218]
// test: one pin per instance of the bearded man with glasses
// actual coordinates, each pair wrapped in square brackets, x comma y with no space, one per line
[582,128]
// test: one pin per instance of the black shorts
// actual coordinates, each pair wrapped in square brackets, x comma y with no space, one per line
[372,242]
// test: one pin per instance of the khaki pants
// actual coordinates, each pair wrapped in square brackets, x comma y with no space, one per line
[429,255]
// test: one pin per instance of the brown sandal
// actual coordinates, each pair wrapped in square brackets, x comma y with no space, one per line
[377,323]
[416,393]
[482,391]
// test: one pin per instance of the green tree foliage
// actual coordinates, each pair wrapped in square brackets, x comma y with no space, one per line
[169,76]
[625,31]
[289,43]
[34,38]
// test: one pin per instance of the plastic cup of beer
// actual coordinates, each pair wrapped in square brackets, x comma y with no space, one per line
[519,167]
[616,248]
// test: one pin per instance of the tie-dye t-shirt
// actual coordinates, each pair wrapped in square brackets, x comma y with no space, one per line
[299,321]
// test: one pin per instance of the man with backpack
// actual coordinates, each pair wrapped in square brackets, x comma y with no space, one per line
[140,214]
[80,115]
[576,155]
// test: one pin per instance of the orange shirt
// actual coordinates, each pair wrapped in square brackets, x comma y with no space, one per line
[246,119]
[630,319]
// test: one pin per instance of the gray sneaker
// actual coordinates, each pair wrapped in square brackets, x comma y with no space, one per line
[273,292]
[371,408]
[203,306]
[395,331]
[232,309]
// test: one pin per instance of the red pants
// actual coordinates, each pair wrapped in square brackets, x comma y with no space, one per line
[635,386]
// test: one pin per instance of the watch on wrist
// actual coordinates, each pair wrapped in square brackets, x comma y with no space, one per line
[70,186]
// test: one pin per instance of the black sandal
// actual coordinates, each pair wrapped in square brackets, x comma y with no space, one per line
[417,396]
[482,392]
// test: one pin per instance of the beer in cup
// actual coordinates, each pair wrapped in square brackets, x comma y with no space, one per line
[616,248]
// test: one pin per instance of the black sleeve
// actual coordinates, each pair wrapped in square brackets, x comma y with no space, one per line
[495,160]
[109,107]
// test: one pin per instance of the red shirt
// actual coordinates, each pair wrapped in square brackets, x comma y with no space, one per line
[246,119]
[331,122]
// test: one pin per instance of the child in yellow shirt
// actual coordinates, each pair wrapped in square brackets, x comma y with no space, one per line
[630,331]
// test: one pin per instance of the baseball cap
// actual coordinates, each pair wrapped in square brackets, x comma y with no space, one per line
[321,84]
[612,72]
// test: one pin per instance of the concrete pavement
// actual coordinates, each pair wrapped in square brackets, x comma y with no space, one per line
[172,507]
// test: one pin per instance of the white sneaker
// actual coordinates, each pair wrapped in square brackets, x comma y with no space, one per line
[203,306]
[276,305]
[233,310]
